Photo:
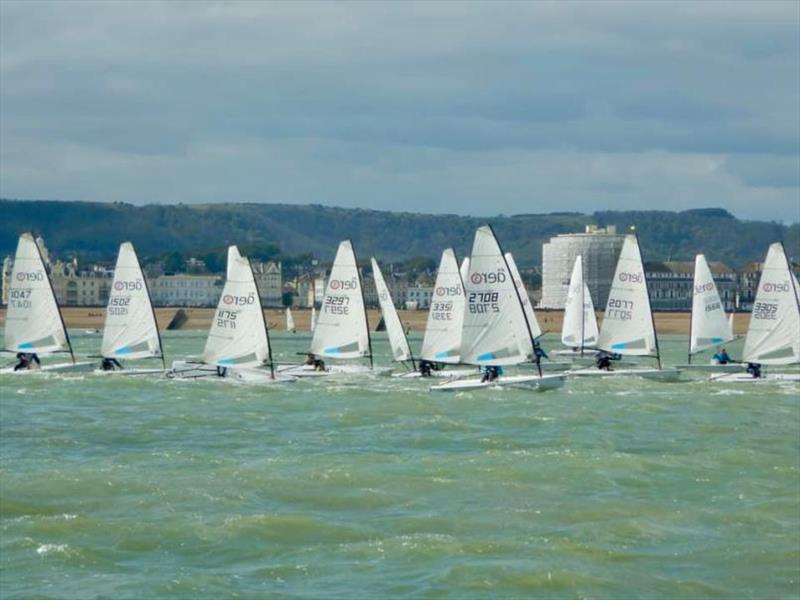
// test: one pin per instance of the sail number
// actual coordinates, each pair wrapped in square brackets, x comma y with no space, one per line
[442,311]
[713,306]
[20,298]
[226,319]
[765,311]
[483,302]
[119,306]
[621,310]
[336,305]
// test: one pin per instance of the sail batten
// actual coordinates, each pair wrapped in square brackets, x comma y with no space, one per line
[580,323]
[442,341]
[495,330]
[773,337]
[341,330]
[238,335]
[398,342]
[628,322]
[33,320]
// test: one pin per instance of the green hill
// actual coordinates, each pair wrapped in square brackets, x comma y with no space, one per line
[94,230]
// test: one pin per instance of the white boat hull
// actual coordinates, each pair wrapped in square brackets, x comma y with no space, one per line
[709,368]
[529,382]
[189,370]
[331,369]
[130,372]
[747,378]
[441,374]
[654,374]
[79,367]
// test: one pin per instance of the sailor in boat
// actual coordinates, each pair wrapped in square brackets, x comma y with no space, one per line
[721,357]
[317,363]
[754,369]
[110,364]
[491,373]
[27,361]
[603,361]
[425,368]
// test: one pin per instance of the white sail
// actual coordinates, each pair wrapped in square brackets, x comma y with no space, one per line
[341,330]
[773,337]
[628,322]
[442,341]
[313,322]
[130,329]
[33,321]
[238,335]
[289,320]
[580,323]
[495,330]
[394,328]
[709,325]
[536,331]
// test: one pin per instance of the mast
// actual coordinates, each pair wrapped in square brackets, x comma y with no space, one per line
[53,291]
[519,299]
[691,313]
[152,309]
[649,306]
[263,320]
[583,307]
[363,303]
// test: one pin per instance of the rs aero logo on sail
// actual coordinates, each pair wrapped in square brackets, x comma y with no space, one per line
[30,276]
[492,277]
[344,284]
[632,277]
[775,287]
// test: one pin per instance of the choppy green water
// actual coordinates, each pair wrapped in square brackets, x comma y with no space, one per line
[146,488]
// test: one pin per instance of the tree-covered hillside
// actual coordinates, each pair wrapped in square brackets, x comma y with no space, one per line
[95,230]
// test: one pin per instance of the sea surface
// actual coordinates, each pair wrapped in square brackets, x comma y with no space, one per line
[118,487]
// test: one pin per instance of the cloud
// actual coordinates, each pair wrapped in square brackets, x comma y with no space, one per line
[475,107]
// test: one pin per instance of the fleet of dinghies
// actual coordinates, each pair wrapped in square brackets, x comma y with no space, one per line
[480,322]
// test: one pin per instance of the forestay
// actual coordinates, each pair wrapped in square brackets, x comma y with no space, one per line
[442,341]
[495,330]
[580,323]
[394,328]
[773,337]
[709,324]
[33,321]
[628,322]
[238,335]
[130,329]
[341,330]
[536,331]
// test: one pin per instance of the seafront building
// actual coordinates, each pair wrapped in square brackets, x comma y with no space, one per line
[671,282]
[600,247]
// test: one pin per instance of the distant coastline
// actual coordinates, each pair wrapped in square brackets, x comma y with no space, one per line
[86,317]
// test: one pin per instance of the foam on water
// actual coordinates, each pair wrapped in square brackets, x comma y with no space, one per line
[145,487]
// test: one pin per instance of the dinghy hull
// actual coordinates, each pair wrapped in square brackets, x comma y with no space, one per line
[529,382]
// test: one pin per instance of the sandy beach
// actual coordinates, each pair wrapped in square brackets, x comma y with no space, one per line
[200,318]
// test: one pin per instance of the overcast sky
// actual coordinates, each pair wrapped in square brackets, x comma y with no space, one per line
[471,108]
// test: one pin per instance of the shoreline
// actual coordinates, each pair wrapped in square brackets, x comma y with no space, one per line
[88,317]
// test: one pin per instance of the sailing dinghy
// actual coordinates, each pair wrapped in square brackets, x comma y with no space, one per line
[34,325]
[441,343]
[579,330]
[495,331]
[237,348]
[709,327]
[342,329]
[628,327]
[773,337]
[398,342]
[130,331]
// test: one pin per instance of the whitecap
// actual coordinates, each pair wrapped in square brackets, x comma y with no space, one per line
[44,549]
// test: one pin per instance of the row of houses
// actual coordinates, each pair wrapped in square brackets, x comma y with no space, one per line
[670,282]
